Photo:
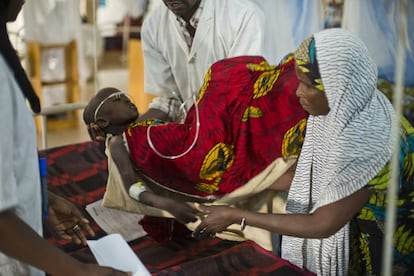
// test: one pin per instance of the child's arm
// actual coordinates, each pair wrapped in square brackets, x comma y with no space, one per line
[120,156]
[182,211]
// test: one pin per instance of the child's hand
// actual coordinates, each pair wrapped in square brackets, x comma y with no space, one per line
[96,133]
[183,212]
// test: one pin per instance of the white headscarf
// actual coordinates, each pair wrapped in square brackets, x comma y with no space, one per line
[343,150]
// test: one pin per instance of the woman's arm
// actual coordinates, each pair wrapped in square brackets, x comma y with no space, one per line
[324,222]
[285,180]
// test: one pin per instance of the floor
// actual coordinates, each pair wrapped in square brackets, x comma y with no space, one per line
[111,72]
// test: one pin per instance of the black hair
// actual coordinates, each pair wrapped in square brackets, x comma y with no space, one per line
[13,61]
[4,4]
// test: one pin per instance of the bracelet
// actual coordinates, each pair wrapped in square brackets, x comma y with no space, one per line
[243,224]
[136,189]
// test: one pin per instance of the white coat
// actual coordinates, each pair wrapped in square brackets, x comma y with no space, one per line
[226,28]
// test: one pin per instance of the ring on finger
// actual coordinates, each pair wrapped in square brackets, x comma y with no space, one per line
[76,228]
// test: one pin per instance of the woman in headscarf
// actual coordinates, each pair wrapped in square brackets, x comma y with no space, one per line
[336,204]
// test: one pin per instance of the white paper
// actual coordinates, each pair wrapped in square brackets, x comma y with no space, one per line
[116,221]
[112,250]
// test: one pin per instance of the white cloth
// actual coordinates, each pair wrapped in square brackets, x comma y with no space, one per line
[113,12]
[376,22]
[54,22]
[152,5]
[51,21]
[19,167]
[343,150]
[288,23]
[227,28]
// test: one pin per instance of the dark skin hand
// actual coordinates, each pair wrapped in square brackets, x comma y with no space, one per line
[180,210]
[63,216]
[324,222]
[19,241]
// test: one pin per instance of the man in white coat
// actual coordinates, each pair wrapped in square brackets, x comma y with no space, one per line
[181,39]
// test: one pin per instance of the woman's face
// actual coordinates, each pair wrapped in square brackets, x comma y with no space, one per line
[312,100]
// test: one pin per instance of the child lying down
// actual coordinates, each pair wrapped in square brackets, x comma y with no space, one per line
[246,120]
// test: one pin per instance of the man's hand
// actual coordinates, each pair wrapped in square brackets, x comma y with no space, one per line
[153,113]
[67,220]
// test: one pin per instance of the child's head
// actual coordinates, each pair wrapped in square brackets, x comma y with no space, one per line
[112,110]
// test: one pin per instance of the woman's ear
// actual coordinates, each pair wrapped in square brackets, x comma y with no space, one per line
[102,122]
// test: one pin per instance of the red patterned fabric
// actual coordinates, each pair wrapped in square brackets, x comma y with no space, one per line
[249,116]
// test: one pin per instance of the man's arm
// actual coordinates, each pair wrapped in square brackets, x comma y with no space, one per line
[153,113]
[159,78]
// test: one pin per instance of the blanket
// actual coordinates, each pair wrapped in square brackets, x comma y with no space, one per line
[253,196]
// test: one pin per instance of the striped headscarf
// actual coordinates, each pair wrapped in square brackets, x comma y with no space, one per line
[343,150]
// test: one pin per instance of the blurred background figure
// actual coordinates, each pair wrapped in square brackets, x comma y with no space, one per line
[288,23]
[377,24]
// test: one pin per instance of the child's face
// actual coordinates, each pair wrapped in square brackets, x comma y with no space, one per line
[119,111]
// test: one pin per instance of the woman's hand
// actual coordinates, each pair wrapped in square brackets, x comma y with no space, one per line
[96,133]
[67,220]
[216,220]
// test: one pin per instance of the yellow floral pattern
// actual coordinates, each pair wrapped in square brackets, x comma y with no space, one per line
[293,139]
[252,112]
[207,78]
[266,81]
[215,164]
